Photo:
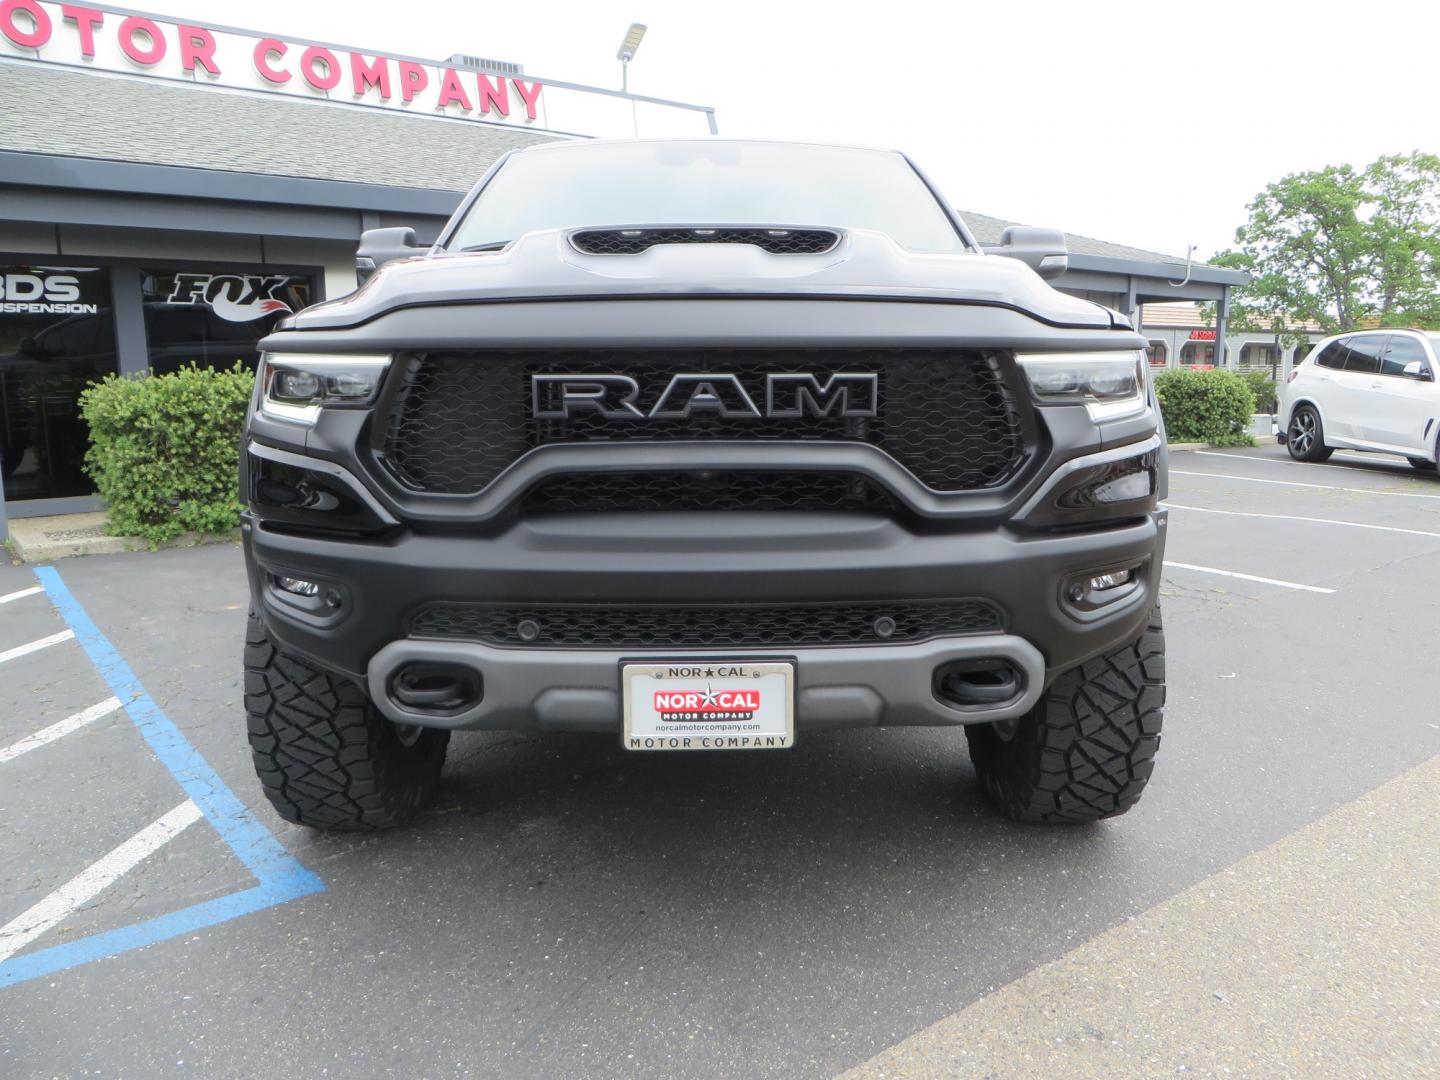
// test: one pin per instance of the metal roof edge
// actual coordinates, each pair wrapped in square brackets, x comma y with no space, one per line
[1203,272]
[62,172]
[58,171]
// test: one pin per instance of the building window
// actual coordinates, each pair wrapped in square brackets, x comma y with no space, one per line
[214,318]
[1198,354]
[1158,353]
[57,335]
[1256,355]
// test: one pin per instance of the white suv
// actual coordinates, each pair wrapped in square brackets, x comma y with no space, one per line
[1365,390]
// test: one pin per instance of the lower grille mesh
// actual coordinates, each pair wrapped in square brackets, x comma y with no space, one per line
[621,626]
[663,491]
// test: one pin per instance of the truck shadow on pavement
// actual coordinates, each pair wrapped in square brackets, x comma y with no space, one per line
[885,814]
[554,870]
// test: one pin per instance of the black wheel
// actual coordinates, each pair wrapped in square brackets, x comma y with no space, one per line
[1305,437]
[324,755]
[1087,749]
[1419,464]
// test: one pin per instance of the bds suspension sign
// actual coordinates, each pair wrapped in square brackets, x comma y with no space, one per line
[100,38]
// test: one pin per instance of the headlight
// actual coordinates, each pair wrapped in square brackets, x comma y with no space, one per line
[1109,384]
[293,386]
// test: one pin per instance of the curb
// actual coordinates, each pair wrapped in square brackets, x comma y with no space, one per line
[66,536]
[1261,436]
[1206,445]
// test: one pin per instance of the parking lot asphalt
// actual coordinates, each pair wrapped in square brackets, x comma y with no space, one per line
[1315,956]
[567,909]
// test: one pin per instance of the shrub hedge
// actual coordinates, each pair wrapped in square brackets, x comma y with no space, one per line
[164,449]
[1263,388]
[1206,406]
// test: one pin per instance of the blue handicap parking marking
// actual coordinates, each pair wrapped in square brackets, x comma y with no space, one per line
[280,877]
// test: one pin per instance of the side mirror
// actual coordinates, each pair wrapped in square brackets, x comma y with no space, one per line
[1416,369]
[1043,250]
[380,246]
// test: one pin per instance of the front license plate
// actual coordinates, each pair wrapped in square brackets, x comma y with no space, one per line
[709,705]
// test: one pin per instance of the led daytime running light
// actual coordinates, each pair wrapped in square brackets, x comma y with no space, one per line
[1109,384]
[294,386]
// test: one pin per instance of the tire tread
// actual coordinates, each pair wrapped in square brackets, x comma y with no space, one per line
[324,756]
[1087,749]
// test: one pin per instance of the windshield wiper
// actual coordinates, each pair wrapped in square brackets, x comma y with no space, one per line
[493,245]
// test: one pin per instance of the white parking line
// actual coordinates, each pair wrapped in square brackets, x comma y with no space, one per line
[1246,577]
[21,594]
[1298,517]
[93,880]
[1296,484]
[1399,470]
[36,646]
[59,729]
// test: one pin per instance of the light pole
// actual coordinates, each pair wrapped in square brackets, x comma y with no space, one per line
[626,53]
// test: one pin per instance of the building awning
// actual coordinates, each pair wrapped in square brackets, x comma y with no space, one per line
[1158,277]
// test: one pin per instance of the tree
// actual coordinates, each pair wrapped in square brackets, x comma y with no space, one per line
[1339,246]
[1263,306]
[1405,231]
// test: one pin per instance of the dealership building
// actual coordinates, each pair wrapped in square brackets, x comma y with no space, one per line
[1184,334]
[169,190]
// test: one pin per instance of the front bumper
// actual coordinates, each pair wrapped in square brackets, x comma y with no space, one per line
[579,689]
[698,559]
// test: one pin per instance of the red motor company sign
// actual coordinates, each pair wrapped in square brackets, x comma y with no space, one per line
[95,37]
[1202,335]
[707,701]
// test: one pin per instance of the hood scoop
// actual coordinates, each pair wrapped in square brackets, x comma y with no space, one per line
[637,241]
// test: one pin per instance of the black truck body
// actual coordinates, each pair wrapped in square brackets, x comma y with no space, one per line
[698,441]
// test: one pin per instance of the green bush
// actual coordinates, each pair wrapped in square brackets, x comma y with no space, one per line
[1263,389]
[164,449]
[1206,406]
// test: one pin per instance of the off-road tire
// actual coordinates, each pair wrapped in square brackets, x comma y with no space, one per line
[1313,450]
[1086,750]
[325,756]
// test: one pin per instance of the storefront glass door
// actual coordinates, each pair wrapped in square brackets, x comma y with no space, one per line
[214,318]
[57,335]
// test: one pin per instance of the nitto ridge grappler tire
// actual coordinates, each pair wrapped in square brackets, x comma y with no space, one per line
[325,756]
[1086,750]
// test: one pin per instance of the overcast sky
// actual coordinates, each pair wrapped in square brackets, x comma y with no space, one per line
[1149,124]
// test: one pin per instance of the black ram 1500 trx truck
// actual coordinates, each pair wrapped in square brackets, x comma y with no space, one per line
[709,445]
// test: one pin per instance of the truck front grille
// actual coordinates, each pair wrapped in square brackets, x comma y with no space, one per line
[622,626]
[459,419]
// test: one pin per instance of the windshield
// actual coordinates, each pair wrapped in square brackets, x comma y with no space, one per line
[708,183]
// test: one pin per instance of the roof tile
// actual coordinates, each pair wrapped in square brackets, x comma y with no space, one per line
[129,119]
